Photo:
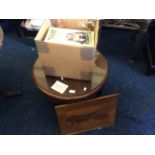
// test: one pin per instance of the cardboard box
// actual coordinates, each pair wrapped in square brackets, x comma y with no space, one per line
[63,60]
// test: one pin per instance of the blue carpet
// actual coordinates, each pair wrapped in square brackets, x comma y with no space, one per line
[32,113]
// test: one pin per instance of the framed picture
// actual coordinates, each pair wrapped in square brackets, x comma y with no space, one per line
[87,115]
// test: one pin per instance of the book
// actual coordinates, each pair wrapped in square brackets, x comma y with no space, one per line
[70,36]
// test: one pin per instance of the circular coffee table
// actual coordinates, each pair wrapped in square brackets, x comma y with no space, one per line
[84,89]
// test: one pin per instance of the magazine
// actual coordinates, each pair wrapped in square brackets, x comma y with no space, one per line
[70,36]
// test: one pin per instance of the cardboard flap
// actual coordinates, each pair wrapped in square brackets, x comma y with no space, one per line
[1,35]
[43,30]
[81,24]
[96,31]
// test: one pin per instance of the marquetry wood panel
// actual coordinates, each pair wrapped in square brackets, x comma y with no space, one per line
[86,115]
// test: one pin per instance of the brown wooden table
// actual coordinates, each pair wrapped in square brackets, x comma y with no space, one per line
[44,83]
[85,110]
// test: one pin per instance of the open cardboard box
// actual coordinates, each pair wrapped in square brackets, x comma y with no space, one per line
[63,60]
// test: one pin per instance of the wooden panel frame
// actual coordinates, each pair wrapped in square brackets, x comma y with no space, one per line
[87,115]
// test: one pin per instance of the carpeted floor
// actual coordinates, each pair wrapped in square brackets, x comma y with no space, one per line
[32,113]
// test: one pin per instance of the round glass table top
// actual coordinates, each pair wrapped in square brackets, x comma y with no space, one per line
[82,88]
